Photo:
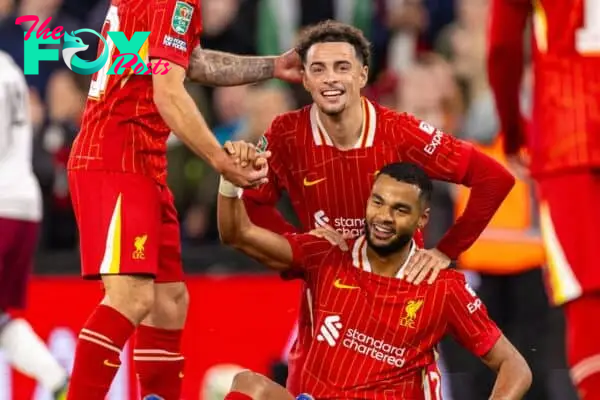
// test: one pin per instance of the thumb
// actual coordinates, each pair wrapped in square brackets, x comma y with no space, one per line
[229,148]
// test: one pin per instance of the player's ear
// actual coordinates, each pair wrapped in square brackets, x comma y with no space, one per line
[424,218]
[364,76]
[304,80]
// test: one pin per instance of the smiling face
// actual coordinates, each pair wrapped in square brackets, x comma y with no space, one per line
[395,210]
[334,76]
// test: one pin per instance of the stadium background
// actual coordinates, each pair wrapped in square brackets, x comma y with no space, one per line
[429,59]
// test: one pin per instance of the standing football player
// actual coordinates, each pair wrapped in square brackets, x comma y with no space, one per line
[129,231]
[562,153]
[20,216]
[326,156]
[375,333]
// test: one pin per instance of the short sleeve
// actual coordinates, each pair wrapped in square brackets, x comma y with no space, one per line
[175,28]
[442,156]
[469,322]
[308,251]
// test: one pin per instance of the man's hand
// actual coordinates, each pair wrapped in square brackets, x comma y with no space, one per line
[332,236]
[244,166]
[518,164]
[244,153]
[288,67]
[426,262]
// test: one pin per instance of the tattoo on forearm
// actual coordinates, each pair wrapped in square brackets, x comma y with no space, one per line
[216,68]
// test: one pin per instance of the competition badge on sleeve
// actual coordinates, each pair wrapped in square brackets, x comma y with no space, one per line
[262,144]
[182,16]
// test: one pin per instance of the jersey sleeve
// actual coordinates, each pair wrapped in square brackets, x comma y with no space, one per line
[175,28]
[308,251]
[261,202]
[441,155]
[468,320]
[508,21]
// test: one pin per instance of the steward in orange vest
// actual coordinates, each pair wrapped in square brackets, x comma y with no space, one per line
[511,243]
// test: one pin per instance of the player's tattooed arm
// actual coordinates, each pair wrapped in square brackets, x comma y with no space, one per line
[215,68]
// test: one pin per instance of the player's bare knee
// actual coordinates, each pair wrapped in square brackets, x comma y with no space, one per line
[170,306]
[132,296]
[251,384]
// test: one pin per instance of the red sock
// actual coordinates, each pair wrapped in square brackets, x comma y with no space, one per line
[237,396]
[97,354]
[158,362]
[583,348]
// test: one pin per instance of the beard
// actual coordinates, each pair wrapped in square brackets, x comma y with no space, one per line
[397,244]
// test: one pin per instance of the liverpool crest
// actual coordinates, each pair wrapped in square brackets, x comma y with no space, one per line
[182,16]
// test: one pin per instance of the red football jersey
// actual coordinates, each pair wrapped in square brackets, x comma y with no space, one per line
[331,186]
[373,336]
[121,128]
[567,100]
[328,185]
[566,64]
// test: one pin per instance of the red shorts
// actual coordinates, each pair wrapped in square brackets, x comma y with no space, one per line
[127,225]
[570,223]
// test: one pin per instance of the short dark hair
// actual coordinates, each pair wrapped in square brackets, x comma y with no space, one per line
[412,174]
[330,31]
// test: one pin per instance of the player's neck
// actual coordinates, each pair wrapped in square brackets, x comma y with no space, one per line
[344,129]
[390,265]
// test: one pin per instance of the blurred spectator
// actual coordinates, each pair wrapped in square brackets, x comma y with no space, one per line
[251,114]
[464,42]
[13,35]
[6,7]
[229,25]
[66,101]
[280,20]
[228,105]
[440,13]
[407,19]
[429,91]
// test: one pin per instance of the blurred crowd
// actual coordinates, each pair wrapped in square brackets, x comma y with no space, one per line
[429,59]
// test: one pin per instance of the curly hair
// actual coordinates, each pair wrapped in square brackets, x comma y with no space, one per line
[332,31]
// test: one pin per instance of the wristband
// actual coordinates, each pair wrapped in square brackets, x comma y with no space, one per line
[228,189]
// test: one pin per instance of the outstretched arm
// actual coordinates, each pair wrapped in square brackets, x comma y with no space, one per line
[236,230]
[215,68]
[505,66]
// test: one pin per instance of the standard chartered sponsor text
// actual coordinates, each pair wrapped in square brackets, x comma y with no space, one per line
[374,348]
[352,226]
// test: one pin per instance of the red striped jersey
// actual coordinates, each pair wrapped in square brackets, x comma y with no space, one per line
[566,65]
[566,103]
[373,337]
[331,186]
[121,127]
